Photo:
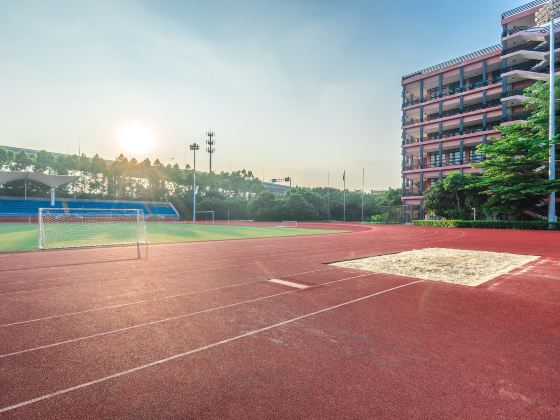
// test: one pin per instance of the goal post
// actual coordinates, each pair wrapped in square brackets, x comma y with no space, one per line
[74,228]
[289,223]
[207,217]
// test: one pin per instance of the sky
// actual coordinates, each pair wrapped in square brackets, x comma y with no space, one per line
[305,89]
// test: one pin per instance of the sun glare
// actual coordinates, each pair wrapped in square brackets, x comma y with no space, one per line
[136,139]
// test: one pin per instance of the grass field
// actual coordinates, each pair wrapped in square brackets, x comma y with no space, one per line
[23,236]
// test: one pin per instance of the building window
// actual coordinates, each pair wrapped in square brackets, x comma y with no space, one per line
[434,159]
[474,156]
[455,157]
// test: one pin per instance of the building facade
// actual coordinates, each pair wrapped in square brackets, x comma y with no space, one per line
[450,108]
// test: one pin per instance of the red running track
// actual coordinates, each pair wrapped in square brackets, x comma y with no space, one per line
[196,330]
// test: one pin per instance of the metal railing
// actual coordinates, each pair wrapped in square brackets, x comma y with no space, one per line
[527,67]
[514,30]
[412,100]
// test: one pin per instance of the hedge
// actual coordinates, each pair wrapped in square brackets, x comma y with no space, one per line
[488,224]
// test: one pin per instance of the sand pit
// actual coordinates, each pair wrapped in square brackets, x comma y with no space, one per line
[457,266]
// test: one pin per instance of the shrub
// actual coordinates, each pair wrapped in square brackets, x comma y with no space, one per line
[488,224]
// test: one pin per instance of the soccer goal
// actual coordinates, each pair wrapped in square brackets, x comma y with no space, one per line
[289,223]
[205,216]
[73,228]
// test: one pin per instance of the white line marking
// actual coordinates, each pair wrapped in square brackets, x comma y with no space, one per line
[200,269]
[289,283]
[137,302]
[197,350]
[160,321]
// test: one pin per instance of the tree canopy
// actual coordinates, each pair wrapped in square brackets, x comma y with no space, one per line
[237,194]
[515,171]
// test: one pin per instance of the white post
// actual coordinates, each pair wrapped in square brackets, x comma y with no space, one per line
[41,233]
[52,197]
[551,123]
[138,233]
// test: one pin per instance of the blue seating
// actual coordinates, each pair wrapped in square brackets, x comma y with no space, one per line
[20,207]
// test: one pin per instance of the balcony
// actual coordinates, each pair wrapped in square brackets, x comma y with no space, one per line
[517,117]
[448,91]
[449,163]
[541,47]
[411,140]
[514,92]
[527,71]
[415,192]
[453,112]
[514,30]
[458,133]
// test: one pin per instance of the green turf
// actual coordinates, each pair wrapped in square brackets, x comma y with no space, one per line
[23,236]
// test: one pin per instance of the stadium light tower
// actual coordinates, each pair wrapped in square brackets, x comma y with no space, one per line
[194,147]
[547,14]
[210,146]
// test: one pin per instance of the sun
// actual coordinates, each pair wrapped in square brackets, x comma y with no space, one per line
[136,138]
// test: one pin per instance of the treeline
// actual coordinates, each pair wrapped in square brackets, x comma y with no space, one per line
[321,204]
[124,179]
[237,194]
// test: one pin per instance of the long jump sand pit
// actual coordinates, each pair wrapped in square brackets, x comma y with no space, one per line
[457,266]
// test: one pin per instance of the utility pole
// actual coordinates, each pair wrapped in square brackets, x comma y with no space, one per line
[363,185]
[194,147]
[546,14]
[344,195]
[329,195]
[210,146]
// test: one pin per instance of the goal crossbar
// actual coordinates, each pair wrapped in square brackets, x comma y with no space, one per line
[88,227]
[208,216]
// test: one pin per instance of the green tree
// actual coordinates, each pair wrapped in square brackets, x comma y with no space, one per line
[515,171]
[454,197]
[43,161]
[391,197]
[22,161]
[264,207]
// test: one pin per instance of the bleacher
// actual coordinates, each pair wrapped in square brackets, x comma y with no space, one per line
[16,207]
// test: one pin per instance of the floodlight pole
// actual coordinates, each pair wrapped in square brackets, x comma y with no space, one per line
[194,147]
[552,123]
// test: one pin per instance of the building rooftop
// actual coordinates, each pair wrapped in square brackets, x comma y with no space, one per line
[523,8]
[448,63]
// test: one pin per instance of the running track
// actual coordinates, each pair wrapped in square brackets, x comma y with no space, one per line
[197,330]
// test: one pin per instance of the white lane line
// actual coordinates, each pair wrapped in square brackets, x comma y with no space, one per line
[137,302]
[289,283]
[160,321]
[197,350]
[200,269]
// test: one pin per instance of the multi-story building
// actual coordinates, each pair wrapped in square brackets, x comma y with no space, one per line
[450,108]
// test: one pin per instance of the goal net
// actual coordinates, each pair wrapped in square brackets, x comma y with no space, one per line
[403,214]
[205,216]
[289,223]
[72,228]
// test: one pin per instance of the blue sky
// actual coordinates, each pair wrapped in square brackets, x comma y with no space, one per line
[298,88]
